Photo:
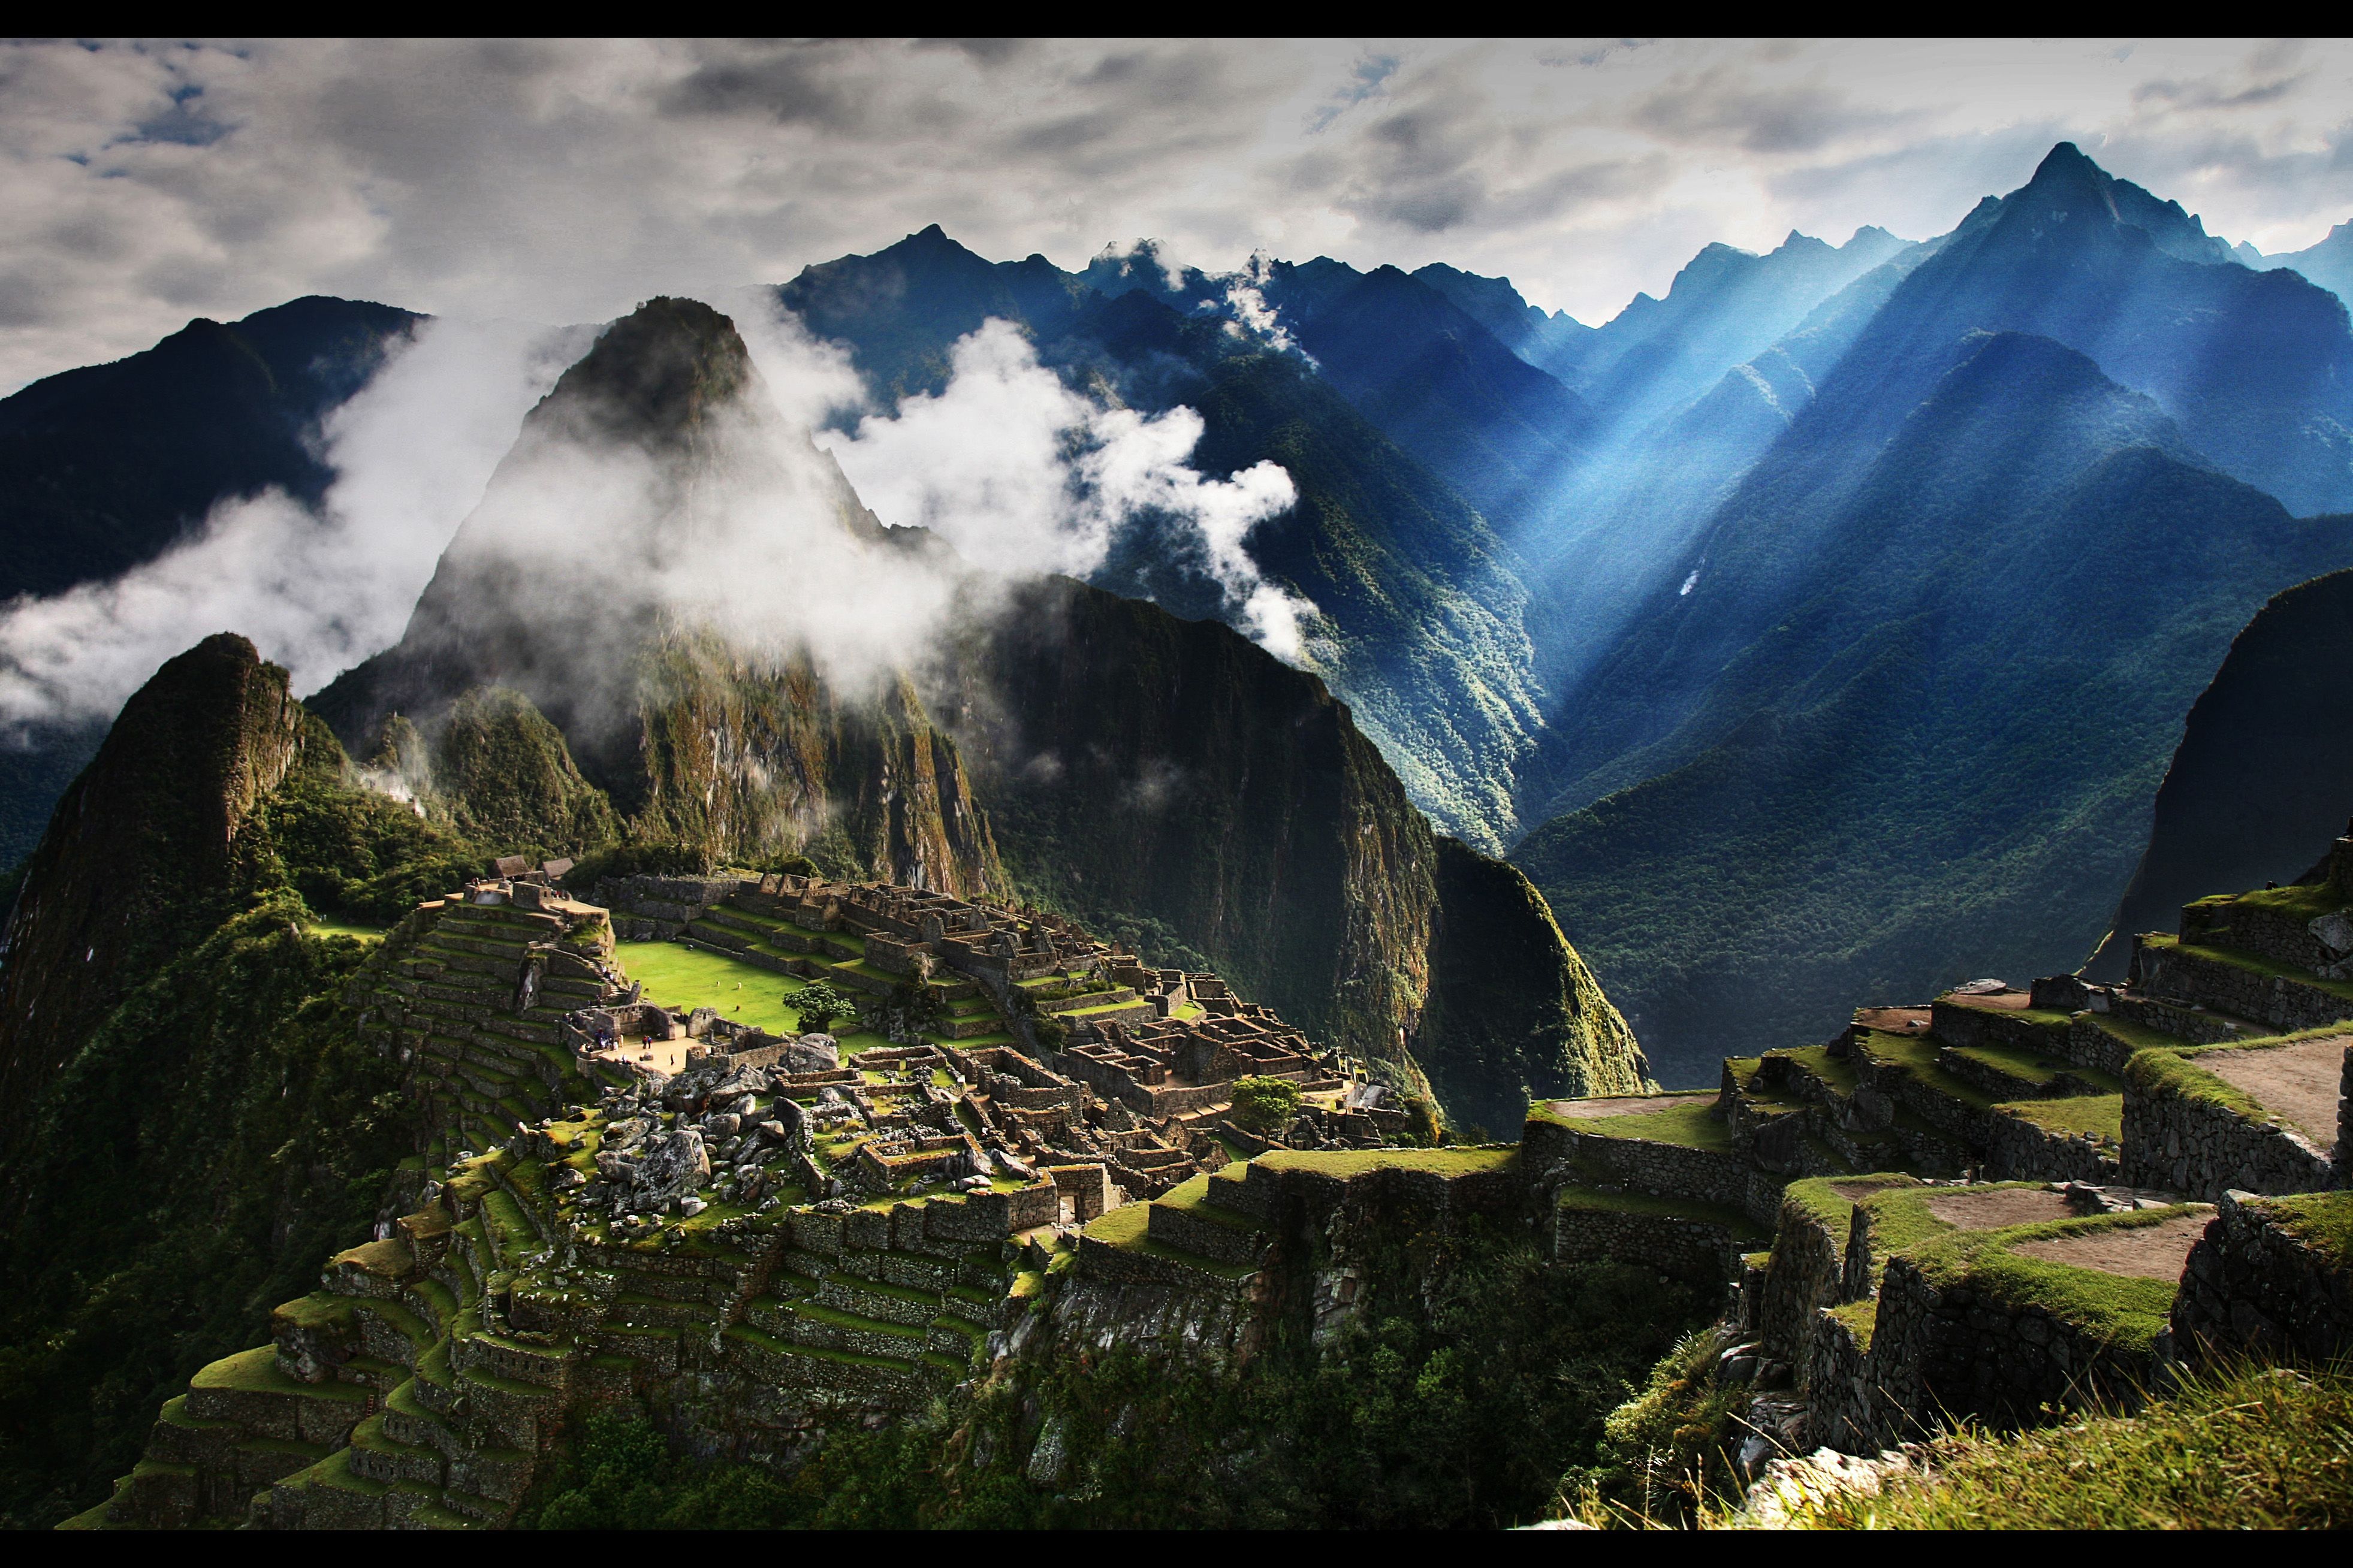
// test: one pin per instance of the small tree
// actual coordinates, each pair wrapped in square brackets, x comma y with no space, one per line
[819,1003]
[1264,1104]
[1424,1126]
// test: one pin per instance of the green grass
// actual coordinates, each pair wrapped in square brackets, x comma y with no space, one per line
[2101,1115]
[2321,1220]
[2027,1067]
[2245,1449]
[338,928]
[2340,989]
[1345,1162]
[2173,1072]
[1192,1196]
[1817,1061]
[1834,1209]
[676,976]
[2297,901]
[1918,1056]
[1695,1126]
[2140,1036]
[2116,1310]
[256,1371]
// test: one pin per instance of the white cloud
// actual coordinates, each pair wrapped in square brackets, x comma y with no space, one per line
[316,592]
[1024,476]
[567,180]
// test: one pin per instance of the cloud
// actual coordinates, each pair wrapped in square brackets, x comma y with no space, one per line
[316,592]
[567,179]
[1024,476]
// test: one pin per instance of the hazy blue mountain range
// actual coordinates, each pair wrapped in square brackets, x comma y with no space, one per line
[2328,263]
[1425,608]
[1942,631]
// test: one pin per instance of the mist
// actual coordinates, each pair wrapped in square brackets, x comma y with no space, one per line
[1023,477]
[315,591]
[1017,474]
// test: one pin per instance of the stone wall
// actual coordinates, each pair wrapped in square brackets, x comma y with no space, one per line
[2254,1285]
[1846,1409]
[1958,1350]
[2201,1148]
[1702,1252]
[2016,1149]
[1646,1165]
[1805,1275]
[2279,1000]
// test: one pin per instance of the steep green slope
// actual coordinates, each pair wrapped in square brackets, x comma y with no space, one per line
[1915,714]
[510,776]
[188,1139]
[151,824]
[2264,769]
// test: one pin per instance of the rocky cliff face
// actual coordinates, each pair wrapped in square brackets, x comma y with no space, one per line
[149,834]
[1166,779]
[2264,769]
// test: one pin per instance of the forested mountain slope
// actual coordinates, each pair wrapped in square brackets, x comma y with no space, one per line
[1915,712]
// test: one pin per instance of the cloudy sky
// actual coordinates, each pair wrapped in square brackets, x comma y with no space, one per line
[148,183]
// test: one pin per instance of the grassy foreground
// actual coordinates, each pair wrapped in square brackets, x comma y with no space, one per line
[2268,1448]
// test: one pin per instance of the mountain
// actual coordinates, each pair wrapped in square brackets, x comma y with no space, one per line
[1554,341]
[190,1121]
[2264,769]
[2328,263]
[1898,689]
[152,826]
[630,522]
[2256,367]
[1166,781]
[105,467]
[1435,381]
[677,585]
[1424,628]
[1723,309]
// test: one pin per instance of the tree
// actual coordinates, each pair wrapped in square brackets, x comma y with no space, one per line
[819,1003]
[1264,1104]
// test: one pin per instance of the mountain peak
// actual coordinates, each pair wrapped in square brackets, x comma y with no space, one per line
[654,373]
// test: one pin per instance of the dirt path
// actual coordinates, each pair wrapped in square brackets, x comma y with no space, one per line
[665,1056]
[2146,1252]
[1623,1105]
[2298,1081]
[1893,1020]
[2002,1206]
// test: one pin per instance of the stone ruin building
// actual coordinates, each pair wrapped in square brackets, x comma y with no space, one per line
[1993,1205]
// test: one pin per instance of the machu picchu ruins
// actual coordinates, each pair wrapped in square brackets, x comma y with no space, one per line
[616,1190]
[2008,1203]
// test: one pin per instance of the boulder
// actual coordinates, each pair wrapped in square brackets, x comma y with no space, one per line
[676,1165]
[812,1053]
